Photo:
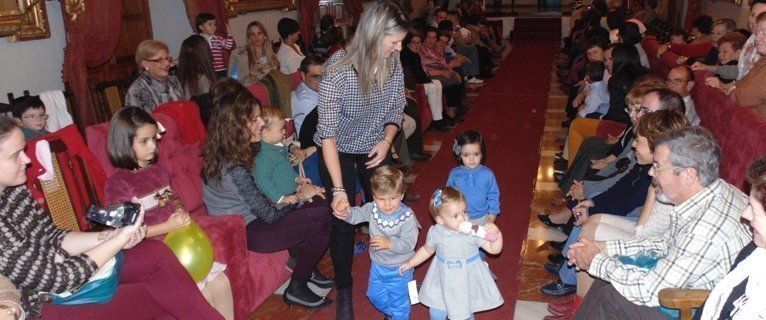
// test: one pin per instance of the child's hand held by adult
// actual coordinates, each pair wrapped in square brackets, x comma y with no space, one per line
[380,243]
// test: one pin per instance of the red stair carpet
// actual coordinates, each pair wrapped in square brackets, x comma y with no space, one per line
[509,113]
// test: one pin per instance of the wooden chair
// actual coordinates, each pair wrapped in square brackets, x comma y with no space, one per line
[108,97]
[683,300]
[69,195]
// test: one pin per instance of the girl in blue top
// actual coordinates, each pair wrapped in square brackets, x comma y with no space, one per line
[474,180]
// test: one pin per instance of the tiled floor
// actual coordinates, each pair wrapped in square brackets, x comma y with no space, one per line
[275,309]
[531,304]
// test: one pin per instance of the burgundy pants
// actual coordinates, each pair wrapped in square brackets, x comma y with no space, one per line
[153,285]
[308,227]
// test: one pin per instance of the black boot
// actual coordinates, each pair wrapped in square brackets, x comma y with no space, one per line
[298,293]
[345,306]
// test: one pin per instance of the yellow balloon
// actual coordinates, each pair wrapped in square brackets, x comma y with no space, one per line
[193,249]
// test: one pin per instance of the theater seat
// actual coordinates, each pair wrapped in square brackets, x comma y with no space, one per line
[253,276]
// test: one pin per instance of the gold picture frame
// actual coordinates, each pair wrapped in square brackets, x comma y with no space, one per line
[236,7]
[22,20]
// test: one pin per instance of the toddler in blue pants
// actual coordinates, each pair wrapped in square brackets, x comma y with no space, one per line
[393,235]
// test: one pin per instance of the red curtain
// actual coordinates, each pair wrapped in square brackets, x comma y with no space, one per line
[354,9]
[91,41]
[216,7]
[307,9]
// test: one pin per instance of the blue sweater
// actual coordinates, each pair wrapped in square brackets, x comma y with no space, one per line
[479,187]
[627,194]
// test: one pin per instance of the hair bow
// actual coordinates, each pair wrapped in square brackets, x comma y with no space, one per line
[436,199]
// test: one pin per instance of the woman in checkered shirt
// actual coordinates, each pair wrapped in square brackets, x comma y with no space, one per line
[361,102]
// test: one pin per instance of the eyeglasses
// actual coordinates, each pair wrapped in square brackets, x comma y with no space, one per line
[676,81]
[161,60]
[641,111]
[656,167]
[315,76]
[35,117]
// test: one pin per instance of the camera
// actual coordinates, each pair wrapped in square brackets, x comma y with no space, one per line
[117,215]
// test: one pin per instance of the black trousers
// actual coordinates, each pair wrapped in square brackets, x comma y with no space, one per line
[604,302]
[590,149]
[352,167]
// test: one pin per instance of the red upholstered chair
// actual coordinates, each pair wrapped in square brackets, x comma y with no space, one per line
[609,128]
[259,92]
[424,108]
[253,276]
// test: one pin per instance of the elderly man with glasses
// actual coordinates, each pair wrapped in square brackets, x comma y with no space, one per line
[697,250]
[681,80]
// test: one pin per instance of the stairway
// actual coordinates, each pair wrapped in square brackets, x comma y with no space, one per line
[537,28]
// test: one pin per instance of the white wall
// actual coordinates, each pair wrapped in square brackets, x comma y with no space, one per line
[723,9]
[34,65]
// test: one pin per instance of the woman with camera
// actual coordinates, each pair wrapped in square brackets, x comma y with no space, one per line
[42,260]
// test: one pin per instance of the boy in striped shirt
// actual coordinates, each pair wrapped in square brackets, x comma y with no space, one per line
[205,23]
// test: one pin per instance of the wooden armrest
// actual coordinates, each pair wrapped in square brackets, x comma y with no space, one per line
[676,298]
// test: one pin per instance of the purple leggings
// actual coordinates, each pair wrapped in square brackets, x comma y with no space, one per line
[153,285]
[308,227]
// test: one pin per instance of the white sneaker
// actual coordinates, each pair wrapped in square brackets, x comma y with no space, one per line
[474,80]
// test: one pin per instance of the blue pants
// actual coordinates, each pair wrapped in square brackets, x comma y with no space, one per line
[439,314]
[387,291]
[568,273]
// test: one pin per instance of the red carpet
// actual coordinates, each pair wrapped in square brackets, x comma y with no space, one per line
[509,113]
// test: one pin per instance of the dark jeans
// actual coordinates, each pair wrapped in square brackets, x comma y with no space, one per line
[590,149]
[307,229]
[604,302]
[342,237]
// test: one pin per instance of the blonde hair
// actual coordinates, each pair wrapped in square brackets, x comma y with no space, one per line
[443,196]
[641,87]
[380,19]
[147,49]
[271,115]
[268,51]
[387,179]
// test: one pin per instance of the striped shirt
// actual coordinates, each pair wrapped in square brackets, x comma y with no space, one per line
[355,121]
[217,45]
[704,238]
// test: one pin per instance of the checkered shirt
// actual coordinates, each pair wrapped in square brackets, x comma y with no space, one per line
[357,122]
[704,238]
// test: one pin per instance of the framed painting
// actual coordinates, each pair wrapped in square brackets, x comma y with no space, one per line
[244,6]
[23,20]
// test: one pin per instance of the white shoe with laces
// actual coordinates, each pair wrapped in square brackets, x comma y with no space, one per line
[474,80]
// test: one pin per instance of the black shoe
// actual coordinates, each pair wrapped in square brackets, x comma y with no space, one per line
[558,176]
[420,156]
[560,165]
[387,317]
[318,279]
[547,221]
[566,123]
[556,258]
[411,197]
[298,293]
[553,268]
[558,289]
[345,306]
[439,125]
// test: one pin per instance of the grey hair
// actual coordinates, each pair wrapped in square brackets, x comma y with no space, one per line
[380,19]
[693,147]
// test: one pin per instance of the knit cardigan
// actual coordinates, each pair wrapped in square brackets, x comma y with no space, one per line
[30,251]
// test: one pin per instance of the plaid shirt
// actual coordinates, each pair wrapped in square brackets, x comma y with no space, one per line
[357,122]
[704,238]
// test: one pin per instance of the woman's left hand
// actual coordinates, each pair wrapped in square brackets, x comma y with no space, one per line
[378,153]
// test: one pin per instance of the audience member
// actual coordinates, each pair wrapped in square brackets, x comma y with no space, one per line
[132,149]
[44,259]
[597,100]
[195,68]
[698,249]
[249,63]
[154,85]
[229,187]
[740,293]
[320,45]
[305,98]
[361,105]
[725,68]
[681,80]
[410,58]
[750,55]
[749,91]
[206,26]
[30,112]
[289,53]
